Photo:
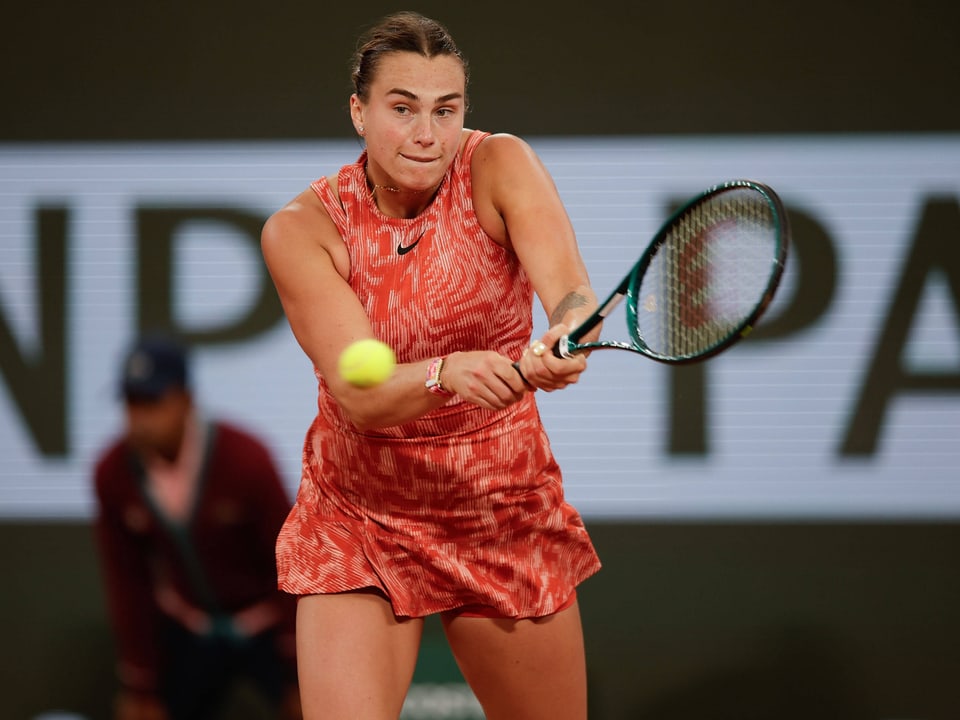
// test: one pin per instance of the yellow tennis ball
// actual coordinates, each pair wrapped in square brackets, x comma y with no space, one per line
[366,363]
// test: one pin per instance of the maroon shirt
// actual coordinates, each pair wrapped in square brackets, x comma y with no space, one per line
[220,561]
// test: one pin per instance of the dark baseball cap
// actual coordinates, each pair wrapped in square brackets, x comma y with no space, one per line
[154,365]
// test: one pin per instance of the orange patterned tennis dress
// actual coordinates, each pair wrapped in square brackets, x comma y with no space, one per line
[463,506]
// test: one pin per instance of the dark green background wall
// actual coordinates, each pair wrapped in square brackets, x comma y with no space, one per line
[121,70]
[754,620]
[684,622]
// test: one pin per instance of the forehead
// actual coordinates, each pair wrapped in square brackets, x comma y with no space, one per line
[427,78]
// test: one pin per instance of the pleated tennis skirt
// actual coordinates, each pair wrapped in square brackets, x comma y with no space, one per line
[462,508]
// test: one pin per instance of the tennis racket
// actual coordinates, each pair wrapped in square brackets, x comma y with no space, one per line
[703,281]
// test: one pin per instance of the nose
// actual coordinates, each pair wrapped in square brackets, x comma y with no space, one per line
[423,132]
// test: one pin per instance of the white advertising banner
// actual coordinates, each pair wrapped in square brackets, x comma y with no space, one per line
[844,404]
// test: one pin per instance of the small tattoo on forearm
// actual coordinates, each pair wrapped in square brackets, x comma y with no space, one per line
[569,302]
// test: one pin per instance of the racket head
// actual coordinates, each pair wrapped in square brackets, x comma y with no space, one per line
[709,273]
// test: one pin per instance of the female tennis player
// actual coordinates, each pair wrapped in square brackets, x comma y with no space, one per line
[435,492]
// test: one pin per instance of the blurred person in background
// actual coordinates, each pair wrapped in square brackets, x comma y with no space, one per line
[188,513]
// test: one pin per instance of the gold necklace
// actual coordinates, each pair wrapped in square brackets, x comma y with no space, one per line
[394,189]
[391,188]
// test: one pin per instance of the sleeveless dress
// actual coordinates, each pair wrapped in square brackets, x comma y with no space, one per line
[463,506]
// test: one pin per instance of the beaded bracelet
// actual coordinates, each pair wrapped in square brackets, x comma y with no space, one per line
[433,378]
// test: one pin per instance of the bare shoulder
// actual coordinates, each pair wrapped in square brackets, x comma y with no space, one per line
[301,227]
[502,150]
[494,167]
[305,212]
[505,161]
[508,177]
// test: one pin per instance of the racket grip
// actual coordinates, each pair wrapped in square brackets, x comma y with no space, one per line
[562,348]
[516,366]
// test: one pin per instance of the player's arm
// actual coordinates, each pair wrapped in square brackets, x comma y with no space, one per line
[308,262]
[520,202]
[309,265]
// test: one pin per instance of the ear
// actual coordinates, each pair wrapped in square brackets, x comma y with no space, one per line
[356,114]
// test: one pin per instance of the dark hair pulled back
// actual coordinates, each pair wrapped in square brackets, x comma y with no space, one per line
[400,32]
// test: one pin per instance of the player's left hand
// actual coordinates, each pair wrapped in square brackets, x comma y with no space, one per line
[543,370]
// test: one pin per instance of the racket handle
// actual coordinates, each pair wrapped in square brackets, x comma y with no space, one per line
[516,366]
[562,348]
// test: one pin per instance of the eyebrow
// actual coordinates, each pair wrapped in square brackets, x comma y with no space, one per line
[413,96]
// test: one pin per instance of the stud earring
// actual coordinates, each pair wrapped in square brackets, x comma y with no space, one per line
[360,130]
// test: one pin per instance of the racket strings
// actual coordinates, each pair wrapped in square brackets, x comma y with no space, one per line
[708,275]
